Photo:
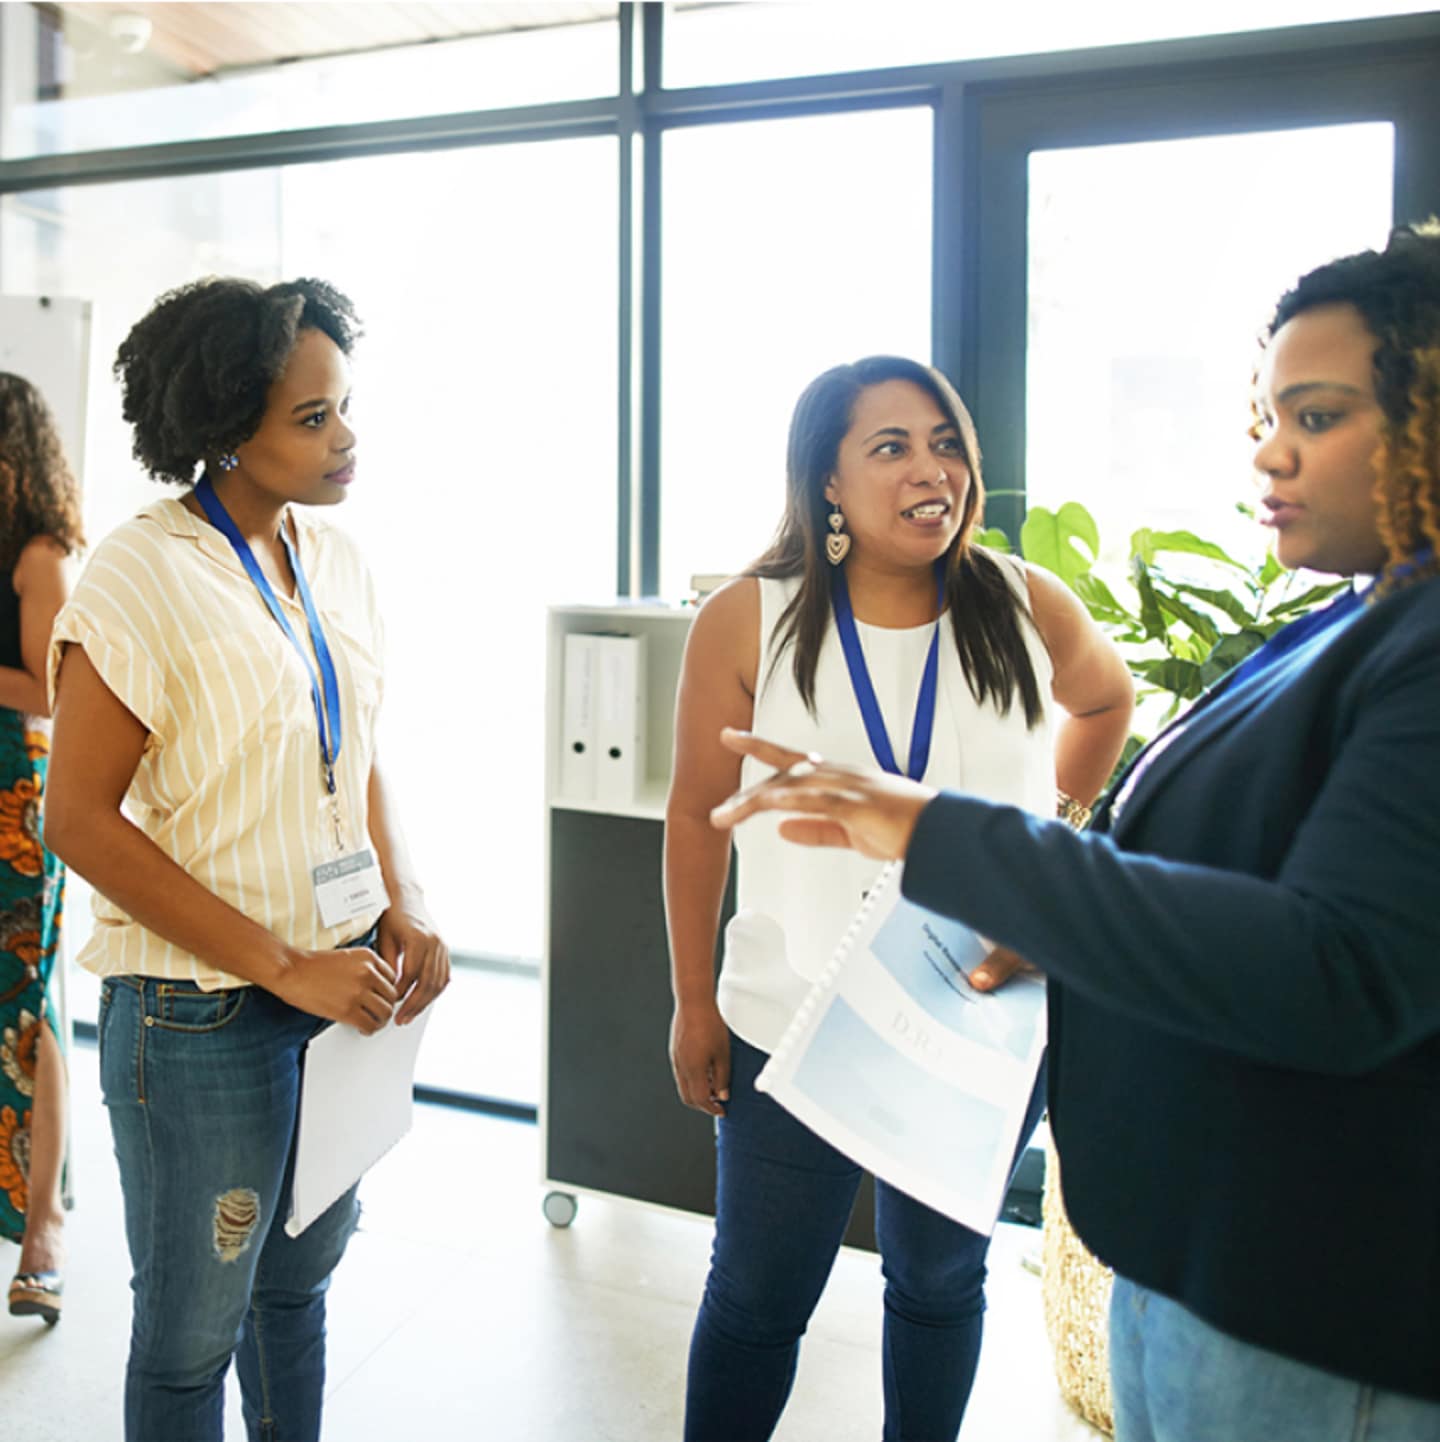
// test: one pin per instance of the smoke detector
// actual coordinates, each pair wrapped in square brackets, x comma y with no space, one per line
[129,30]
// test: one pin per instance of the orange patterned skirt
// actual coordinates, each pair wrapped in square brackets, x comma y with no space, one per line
[32,889]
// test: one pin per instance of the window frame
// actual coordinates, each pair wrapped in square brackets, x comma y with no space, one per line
[988,114]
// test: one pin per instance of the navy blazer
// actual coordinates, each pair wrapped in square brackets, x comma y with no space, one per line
[1244,963]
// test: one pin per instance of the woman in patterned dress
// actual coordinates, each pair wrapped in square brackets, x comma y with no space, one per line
[39,528]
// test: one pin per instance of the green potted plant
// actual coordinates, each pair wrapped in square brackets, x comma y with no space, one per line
[1192,610]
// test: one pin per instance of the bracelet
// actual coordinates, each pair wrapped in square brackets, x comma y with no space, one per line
[1072,812]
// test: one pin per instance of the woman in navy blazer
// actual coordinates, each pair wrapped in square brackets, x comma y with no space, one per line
[1244,949]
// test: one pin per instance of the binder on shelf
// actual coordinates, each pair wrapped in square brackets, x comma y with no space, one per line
[620,719]
[578,717]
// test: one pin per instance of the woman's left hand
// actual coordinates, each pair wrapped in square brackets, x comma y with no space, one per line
[871,812]
[409,942]
[998,967]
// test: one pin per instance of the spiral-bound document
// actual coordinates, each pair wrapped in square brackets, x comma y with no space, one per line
[899,1063]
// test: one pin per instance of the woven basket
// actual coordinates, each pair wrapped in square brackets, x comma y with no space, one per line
[1076,1293]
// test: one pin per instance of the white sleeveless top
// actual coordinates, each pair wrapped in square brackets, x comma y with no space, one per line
[794,903]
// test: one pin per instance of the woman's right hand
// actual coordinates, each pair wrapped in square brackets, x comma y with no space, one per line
[352,985]
[866,809]
[700,1057]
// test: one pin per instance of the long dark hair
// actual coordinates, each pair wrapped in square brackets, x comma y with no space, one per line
[987,617]
[38,494]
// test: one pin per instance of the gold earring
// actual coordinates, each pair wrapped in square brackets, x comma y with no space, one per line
[837,543]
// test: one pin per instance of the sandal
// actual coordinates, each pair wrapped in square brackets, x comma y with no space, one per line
[37,1294]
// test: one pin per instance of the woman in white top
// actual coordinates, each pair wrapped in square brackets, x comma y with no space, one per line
[218,676]
[873,629]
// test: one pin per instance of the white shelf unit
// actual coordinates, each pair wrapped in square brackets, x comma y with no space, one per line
[610,1120]
[664,629]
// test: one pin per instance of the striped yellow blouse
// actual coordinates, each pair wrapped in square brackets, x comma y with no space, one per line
[230,784]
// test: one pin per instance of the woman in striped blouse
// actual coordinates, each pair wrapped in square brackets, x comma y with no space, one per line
[218,676]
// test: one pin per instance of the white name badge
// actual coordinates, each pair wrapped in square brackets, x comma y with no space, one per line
[349,889]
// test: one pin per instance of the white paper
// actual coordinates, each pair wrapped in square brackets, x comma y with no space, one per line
[897,1062]
[356,1102]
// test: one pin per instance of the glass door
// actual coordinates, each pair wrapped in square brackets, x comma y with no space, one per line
[1133,233]
[1141,337]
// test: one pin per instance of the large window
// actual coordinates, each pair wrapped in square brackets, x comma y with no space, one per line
[484,407]
[1142,337]
[790,246]
[719,44]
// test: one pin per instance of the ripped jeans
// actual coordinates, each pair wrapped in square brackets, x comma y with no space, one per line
[202,1090]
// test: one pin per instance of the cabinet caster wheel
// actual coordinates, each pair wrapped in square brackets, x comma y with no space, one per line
[559,1208]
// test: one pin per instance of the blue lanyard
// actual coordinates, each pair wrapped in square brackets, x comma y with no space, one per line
[1287,638]
[329,707]
[1283,643]
[864,690]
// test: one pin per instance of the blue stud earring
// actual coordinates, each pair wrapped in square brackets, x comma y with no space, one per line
[229,461]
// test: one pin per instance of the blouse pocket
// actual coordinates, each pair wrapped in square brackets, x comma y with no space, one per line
[252,689]
[243,689]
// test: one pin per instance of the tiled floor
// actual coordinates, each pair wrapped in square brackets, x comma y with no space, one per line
[460,1315]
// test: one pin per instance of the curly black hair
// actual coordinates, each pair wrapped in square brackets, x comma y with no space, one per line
[195,370]
[38,493]
[1397,292]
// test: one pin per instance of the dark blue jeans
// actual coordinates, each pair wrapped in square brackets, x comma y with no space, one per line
[783,1200]
[202,1090]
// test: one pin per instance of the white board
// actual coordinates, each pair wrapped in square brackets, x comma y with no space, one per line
[46,339]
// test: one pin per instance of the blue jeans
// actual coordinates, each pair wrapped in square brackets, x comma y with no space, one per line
[1178,1379]
[202,1090]
[783,1200]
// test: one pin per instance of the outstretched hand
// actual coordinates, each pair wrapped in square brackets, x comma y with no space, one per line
[871,812]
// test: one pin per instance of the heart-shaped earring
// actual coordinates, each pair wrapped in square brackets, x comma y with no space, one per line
[837,544]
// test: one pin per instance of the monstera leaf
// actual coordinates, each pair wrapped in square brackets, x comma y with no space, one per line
[1179,633]
[1066,541]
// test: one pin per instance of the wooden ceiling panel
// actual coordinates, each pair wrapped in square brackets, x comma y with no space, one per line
[202,39]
